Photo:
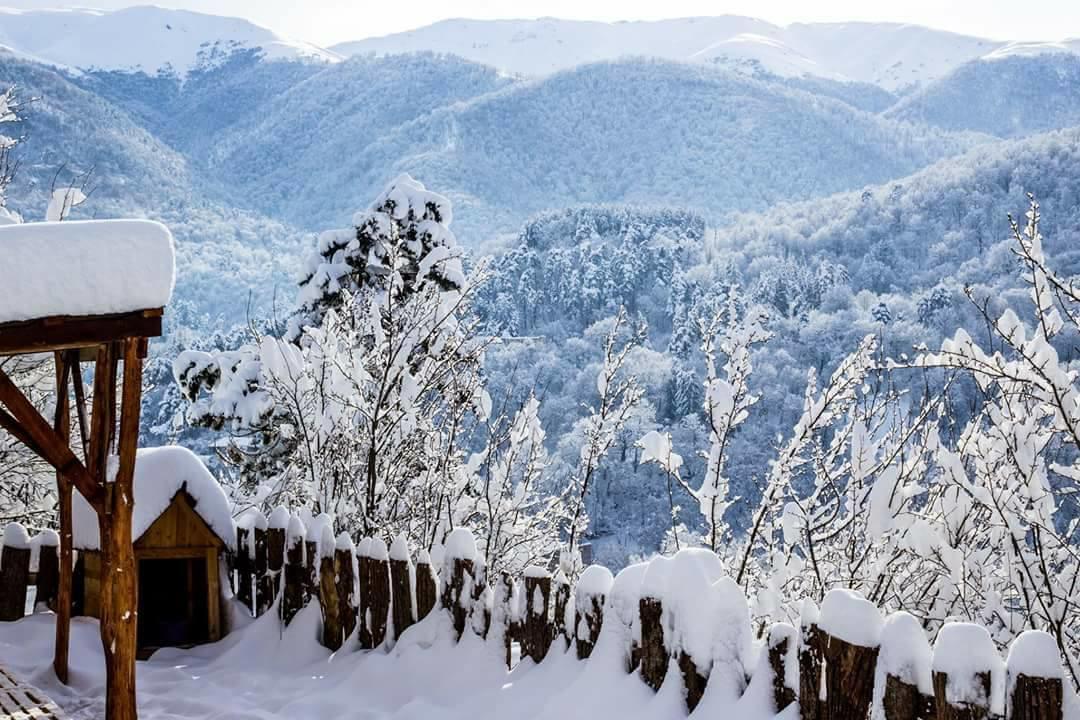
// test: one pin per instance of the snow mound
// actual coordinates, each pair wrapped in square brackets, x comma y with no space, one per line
[15,536]
[1035,653]
[962,651]
[595,580]
[460,545]
[92,267]
[399,549]
[905,651]
[161,473]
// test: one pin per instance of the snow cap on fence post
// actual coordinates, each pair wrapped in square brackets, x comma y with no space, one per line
[966,668]
[1035,678]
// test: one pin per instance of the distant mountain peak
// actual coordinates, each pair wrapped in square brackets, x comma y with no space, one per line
[143,38]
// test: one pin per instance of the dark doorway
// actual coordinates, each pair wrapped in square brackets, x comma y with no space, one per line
[172,602]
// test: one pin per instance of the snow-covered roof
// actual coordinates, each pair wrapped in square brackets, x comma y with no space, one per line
[160,473]
[93,267]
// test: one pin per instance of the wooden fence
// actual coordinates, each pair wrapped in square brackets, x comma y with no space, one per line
[375,594]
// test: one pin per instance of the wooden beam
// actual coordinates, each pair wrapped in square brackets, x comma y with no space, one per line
[103,417]
[62,426]
[53,448]
[72,332]
[80,400]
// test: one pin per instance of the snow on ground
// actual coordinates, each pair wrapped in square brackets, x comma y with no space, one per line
[260,673]
[92,267]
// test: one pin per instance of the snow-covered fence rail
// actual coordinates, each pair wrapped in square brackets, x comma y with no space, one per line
[27,563]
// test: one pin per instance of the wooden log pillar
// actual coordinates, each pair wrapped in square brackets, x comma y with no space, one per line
[311,566]
[812,642]
[275,558]
[401,586]
[294,595]
[48,571]
[264,585]
[962,688]
[375,595]
[457,592]
[14,572]
[562,608]
[907,655]
[243,566]
[344,555]
[333,633]
[589,597]
[502,627]
[849,679]
[537,635]
[783,664]
[1035,675]
[427,586]
[653,652]
[903,701]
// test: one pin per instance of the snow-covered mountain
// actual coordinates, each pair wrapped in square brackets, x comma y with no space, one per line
[892,56]
[149,39]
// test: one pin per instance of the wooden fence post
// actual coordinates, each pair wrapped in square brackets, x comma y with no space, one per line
[14,572]
[964,656]
[242,564]
[563,607]
[427,586]
[401,586]
[502,616]
[328,592]
[653,652]
[812,643]
[275,548]
[48,569]
[536,638]
[344,561]
[375,597]
[589,596]
[457,589]
[905,664]
[294,596]
[264,589]
[311,561]
[852,625]
[783,664]
[1033,671]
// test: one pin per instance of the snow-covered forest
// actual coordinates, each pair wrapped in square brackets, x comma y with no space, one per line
[803,320]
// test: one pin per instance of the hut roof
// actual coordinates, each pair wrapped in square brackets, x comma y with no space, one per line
[161,473]
[84,268]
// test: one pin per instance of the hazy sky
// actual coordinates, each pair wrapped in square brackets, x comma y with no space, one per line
[329,21]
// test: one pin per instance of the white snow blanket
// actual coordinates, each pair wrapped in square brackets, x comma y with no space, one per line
[160,473]
[93,267]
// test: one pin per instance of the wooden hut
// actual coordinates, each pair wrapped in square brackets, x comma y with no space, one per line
[182,530]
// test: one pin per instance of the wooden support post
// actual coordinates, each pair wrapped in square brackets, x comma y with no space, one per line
[14,572]
[67,369]
[48,571]
[654,654]
[427,587]
[243,565]
[401,586]
[120,602]
[811,665]
[782,642]
[457,592]
[849,679]
[264,586]
[346,580]
[536,639]
[1034,696]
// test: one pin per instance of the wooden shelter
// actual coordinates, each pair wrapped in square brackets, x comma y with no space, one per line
[182,530]
[87,292]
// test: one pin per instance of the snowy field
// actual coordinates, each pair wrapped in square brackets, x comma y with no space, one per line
[257,672]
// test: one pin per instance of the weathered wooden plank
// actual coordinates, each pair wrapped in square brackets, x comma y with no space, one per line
[64,332]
